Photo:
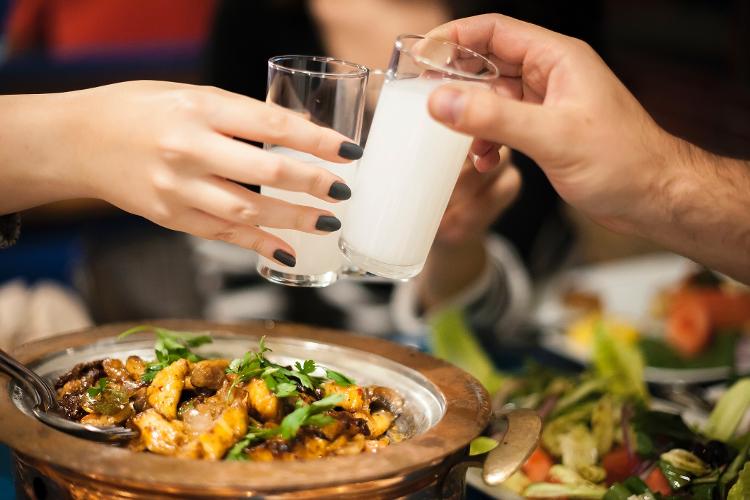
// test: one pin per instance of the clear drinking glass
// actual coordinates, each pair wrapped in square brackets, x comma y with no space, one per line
[411,162]
[329,92]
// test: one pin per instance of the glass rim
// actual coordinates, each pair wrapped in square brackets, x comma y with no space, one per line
[358,71]
[495,71]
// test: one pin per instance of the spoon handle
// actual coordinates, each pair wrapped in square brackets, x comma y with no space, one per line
[44,394]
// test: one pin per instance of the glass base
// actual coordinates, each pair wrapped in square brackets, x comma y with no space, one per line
[378,268]
[301,280]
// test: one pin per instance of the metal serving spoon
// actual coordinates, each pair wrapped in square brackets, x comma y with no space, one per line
[48,410]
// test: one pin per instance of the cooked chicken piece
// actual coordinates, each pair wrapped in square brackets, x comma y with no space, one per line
[260,454]
[140,399]
[263,400]
[377,422]
[209,373]
[347,446]
[333,430]
[158,434]
[70,387]
[313,447]
[103,420]
[135,366]
[355,396]
[373,445]
[228,428]
[164,392]
[191,449]
[115,370]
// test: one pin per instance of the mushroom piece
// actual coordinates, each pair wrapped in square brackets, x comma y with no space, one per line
[383,398]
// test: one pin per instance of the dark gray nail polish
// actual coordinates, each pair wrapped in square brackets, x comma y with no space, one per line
[339,191]
[328,223]
[285,258]
[350,151]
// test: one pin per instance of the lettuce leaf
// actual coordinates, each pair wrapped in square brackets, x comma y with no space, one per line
[728,413]
[620,363]
[741,489]
[453,341]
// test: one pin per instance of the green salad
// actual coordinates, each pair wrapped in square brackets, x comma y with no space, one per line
[602,439]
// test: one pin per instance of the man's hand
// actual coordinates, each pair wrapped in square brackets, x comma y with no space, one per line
[560,104]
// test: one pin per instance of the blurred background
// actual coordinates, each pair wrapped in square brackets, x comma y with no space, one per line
[687,61]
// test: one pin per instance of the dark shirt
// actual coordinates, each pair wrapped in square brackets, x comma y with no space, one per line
[247,33]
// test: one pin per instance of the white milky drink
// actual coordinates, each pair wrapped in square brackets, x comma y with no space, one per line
[404,181]
[316,254]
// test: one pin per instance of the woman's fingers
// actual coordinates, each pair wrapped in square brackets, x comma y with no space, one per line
[240,116]
[247,164]
[232,202]
[207,226]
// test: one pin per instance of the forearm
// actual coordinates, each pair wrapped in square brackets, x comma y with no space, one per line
[449,270]
[33,144]
[702,209]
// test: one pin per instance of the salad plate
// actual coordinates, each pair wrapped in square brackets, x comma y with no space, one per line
[629,293]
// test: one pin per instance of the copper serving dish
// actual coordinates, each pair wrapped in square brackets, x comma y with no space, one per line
[446,409]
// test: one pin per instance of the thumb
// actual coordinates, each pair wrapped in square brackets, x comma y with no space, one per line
[484,114]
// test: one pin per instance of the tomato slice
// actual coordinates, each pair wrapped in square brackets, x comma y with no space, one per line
[657,483]
[538,465]
[688,325]
[619,465]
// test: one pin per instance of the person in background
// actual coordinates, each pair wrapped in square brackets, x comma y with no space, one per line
[603,153]
[477,263]
[65,30]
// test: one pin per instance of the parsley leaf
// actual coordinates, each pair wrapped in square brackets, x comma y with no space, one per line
[170,346]
[339,378]
[254,435]
[306,415]
[98,388]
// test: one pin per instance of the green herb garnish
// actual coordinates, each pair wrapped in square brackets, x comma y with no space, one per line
[282,381]
[482,445]
[305,415]
[254,435]
[106,398]
[170,346]
[339,378]
[98,388]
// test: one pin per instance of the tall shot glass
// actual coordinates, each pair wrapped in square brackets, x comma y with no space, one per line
[411,162]
[331,93]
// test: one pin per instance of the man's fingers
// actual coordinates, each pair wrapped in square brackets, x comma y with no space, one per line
[476,214]
[506,38]
[484,114]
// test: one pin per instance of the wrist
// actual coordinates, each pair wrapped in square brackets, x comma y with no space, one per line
[35,157]
[449,270]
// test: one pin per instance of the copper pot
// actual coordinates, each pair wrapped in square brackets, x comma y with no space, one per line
[446,409]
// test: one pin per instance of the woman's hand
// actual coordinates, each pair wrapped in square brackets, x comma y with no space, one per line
[167,152]
[458,255]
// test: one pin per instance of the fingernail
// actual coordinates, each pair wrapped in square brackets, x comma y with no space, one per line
[285,258]
[328,223]
[340,191]
[350,151]
[448,104]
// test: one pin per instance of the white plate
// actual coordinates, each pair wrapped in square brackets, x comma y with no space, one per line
[626,289]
